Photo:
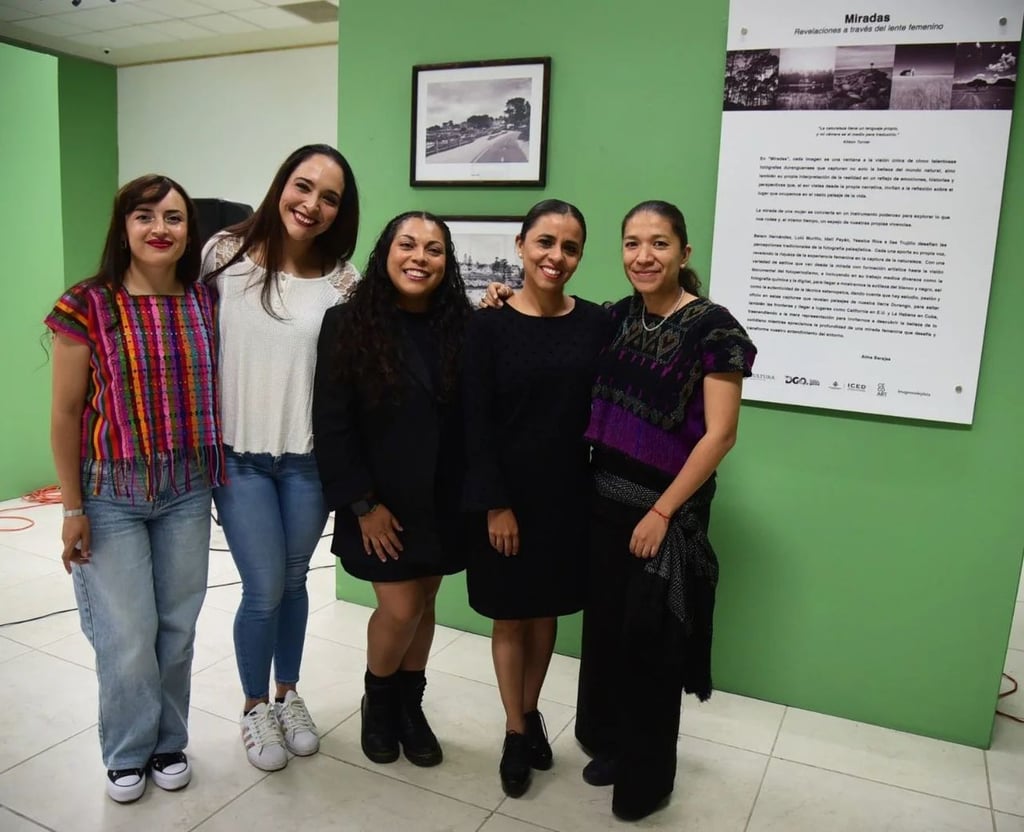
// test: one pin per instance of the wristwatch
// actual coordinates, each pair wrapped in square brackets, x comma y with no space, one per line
[363,507]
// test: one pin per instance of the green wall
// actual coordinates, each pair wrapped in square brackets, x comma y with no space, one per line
[33,269]
[869,565]
[88,156]
[58,156]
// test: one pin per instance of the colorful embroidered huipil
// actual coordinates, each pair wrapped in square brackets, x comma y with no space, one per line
[152,394]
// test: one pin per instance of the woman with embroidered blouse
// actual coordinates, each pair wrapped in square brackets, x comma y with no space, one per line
[277,273]
[137,447]
[665,412]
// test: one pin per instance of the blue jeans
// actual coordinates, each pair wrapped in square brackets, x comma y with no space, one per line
[138,600]
[273,514]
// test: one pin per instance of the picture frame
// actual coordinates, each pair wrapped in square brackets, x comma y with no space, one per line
[486,251]
[480,123]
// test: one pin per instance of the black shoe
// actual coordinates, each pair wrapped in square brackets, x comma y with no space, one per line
[379,710]
[515,768]
[600,771]
[537,736]
[418,740]
[632,813]
[170,771]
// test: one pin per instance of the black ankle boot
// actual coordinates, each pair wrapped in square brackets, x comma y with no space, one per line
[537,737]
[600,771]
[639,811]
[515,768]
[379,710]
[418,741]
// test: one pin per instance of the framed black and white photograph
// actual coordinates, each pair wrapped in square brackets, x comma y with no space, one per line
[486,251]
[480,123]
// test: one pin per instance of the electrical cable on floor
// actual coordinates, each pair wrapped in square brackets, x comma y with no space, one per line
[51,495]
[47,496]
[1009,692]
[75,609]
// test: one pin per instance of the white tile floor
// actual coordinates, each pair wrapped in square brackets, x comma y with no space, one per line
[743,764]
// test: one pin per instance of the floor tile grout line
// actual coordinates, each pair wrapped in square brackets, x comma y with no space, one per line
[237,797]
[764,774]
[733,746]
[395,779]
[760,786]
[1011,814]
[71,736]
[883,783]
[449,644]
[532,823]
[988,783]
[40,555]
[778,731]
[29,818]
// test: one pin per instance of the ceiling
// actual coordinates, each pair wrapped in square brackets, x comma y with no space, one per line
[125,32]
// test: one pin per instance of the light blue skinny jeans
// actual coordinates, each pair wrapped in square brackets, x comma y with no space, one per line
[273,514]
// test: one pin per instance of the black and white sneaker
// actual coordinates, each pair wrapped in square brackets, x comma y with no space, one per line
[170,771]
[125,785]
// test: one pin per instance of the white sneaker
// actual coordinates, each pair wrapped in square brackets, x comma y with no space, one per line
[300,734]
[170,771]
[126,785]
[261,736]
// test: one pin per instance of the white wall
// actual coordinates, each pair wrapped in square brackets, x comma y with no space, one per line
[222,126]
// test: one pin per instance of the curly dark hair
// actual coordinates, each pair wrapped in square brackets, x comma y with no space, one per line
[369,350]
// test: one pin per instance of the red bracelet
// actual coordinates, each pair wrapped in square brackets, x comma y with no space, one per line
[662,515]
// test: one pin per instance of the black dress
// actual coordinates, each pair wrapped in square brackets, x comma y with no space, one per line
[406,451]
[526,398]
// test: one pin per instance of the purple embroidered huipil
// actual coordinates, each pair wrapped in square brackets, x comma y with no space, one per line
[648,398]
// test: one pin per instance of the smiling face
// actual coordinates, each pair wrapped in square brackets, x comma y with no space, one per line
[416,262]
[311,196]
[652,255]
[157,232]
[551,251]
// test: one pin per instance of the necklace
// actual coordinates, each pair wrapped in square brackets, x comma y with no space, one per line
[643,309]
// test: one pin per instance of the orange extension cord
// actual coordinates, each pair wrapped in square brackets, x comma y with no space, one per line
[50,495]
[47,496]
[1009,692]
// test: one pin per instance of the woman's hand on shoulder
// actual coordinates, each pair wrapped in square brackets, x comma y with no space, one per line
[380,529]
[503,531]
[496,295]
[75,535]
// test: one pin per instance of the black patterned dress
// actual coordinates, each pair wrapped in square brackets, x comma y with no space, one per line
[526,399]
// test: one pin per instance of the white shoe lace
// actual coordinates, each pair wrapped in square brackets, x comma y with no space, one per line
[263,728]
[294,717]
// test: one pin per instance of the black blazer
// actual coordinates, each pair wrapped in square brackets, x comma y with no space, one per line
[405,452]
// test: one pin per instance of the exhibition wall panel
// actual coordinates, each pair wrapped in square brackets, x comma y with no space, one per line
[869,564]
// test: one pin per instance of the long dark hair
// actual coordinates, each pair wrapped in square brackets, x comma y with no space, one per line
[688,279]
[552,206]
[265,231]
[370,349]
[117,256]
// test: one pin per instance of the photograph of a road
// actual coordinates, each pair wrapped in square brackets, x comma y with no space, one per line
[505,146]
[480,123]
